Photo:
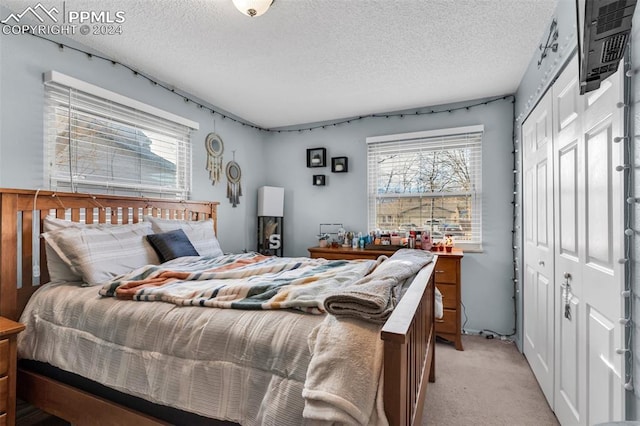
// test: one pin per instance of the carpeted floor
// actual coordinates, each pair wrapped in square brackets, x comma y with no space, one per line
[489,383]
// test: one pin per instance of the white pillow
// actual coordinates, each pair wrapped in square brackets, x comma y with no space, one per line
[58,270]
[101,253]
[199,232]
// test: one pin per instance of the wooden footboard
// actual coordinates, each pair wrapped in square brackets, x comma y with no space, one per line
[409,351]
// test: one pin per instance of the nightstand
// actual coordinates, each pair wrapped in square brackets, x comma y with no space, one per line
[8,363]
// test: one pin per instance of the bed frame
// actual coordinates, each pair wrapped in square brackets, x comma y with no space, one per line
[408,335]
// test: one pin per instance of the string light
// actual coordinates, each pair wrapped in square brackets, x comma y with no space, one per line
[514,225]
[187,99]
[629,231]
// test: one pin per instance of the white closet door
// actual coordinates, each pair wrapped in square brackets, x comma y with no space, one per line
[538,318]
[573,200]
[588,280]
[569,217]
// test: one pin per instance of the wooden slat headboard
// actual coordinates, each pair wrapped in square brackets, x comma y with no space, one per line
[18,208]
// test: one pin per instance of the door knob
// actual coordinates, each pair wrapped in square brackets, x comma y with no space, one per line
[541,262]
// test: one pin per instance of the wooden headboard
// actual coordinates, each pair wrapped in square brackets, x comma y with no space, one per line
[21,209]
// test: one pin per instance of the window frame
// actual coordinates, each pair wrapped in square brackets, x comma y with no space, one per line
[126,120]
[429,136]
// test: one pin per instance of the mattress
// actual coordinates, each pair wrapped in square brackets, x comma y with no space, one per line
[247,367]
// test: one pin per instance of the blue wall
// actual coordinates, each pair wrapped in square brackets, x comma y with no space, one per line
[23,61]
[487,287]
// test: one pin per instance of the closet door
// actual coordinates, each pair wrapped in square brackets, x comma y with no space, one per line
[588,228]
[538,318]
[569,218]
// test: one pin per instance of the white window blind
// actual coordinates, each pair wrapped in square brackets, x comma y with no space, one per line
[100,141]
[428,180]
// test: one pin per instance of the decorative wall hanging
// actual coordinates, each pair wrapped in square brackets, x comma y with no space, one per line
[316,157]
[339,164]
[215,148]
[234,188]
[552,42]
[319,180]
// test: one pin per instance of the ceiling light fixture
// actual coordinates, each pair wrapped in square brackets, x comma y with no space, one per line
[253,7]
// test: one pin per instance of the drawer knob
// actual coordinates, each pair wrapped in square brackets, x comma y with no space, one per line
[439,272]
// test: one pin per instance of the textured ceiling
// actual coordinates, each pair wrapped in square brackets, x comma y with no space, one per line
[314,60]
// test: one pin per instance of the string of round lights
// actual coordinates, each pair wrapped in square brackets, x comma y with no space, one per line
[189,99]
[630,207]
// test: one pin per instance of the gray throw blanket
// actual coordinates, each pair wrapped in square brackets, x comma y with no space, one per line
[373,297]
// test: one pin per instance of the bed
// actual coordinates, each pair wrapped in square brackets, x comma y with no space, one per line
[407,335]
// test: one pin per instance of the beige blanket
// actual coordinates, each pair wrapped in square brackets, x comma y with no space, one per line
[373,297]
[333,393]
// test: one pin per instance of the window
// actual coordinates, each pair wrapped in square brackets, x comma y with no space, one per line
[428,180]
[100,141]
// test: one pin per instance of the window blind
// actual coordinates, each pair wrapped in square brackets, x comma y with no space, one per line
[427,180]
[99,141]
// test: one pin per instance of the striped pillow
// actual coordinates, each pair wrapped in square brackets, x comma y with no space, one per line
[59,271]
[100,254]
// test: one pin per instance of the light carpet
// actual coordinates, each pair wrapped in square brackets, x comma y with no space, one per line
[489,383]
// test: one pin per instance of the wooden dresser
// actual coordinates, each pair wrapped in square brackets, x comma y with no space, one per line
[448,281]
[8,363]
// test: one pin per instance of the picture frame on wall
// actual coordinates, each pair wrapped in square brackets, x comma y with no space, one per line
[319,180]
[316,157]
[339,164]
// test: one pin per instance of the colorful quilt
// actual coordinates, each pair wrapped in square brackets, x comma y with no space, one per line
[240,281]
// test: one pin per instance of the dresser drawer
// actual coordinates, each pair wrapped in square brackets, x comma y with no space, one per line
[446,270]
[449,295]
[447,324]
[4,394]
[4,357]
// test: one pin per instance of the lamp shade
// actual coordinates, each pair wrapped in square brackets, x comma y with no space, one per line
[271,201]
[252,7]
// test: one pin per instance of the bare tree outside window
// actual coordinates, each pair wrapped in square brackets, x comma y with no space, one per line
[429,183]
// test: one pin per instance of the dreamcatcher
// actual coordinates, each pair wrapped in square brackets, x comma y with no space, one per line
[234,188]
[215,148]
